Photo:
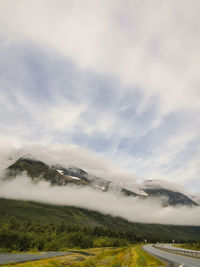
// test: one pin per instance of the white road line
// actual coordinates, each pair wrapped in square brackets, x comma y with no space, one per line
[181,265]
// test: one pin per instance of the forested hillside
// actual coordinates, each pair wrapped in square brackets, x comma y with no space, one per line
[29,225]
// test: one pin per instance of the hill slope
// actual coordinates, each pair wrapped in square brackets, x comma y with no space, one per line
[45,213]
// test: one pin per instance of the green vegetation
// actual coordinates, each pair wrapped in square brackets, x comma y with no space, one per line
[105,241]
[132,256]
[35,169]
[19,236]
[192,246]
[44,224]
[142,258]
[38,170]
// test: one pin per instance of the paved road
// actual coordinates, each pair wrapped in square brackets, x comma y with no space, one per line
[20,257]
[174,260]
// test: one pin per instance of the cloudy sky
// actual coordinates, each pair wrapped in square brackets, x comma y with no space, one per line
[119,78]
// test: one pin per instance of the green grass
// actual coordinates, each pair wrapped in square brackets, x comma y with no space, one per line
[132,256]
[145,259]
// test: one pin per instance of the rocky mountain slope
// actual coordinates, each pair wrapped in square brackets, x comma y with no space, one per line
[61,176]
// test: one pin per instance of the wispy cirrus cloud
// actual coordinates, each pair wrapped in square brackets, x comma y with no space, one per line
[120,79]
[150,44]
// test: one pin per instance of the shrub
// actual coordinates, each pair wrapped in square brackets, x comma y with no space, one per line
[109,242]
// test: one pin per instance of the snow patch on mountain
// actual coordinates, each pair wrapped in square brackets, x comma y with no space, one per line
[74,178]
[60,171]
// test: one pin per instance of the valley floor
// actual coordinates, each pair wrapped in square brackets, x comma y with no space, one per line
[98,257]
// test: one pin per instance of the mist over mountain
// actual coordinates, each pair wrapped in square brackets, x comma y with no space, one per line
[60,176]
[100,119]
[27,177]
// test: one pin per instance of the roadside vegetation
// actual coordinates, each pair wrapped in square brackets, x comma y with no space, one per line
[132,256]
[89,246]
[27,236]
[192,246]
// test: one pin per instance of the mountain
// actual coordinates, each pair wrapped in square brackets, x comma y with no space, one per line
[38,170]
[61,176]
[195,198]
[27,211]
[170,196]
[58,175]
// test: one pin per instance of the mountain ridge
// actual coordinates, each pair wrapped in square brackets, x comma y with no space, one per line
[62,176]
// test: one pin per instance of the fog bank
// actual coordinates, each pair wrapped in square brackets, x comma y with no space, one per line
[67,155]
[130,208]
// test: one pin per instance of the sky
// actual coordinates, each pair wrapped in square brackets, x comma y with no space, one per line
[117,79]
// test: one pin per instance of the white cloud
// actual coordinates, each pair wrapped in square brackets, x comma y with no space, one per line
[64,116]
[162,160]
[151,44]
[132,209]
[65,155]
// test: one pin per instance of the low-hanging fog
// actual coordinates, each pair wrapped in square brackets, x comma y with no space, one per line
[65,155]
[130,208]
[80,157]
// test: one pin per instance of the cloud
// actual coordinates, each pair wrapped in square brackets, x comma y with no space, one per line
[120,79]
[149,44]
[66,155]
[132,209]
[62,117]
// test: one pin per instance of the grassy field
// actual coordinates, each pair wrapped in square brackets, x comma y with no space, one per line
[192,246]
[98,257]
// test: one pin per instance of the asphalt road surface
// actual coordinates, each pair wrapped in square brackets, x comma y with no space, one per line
[20,257]
[174,260]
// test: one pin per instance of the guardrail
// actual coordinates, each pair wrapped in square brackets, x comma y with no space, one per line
[194,254]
